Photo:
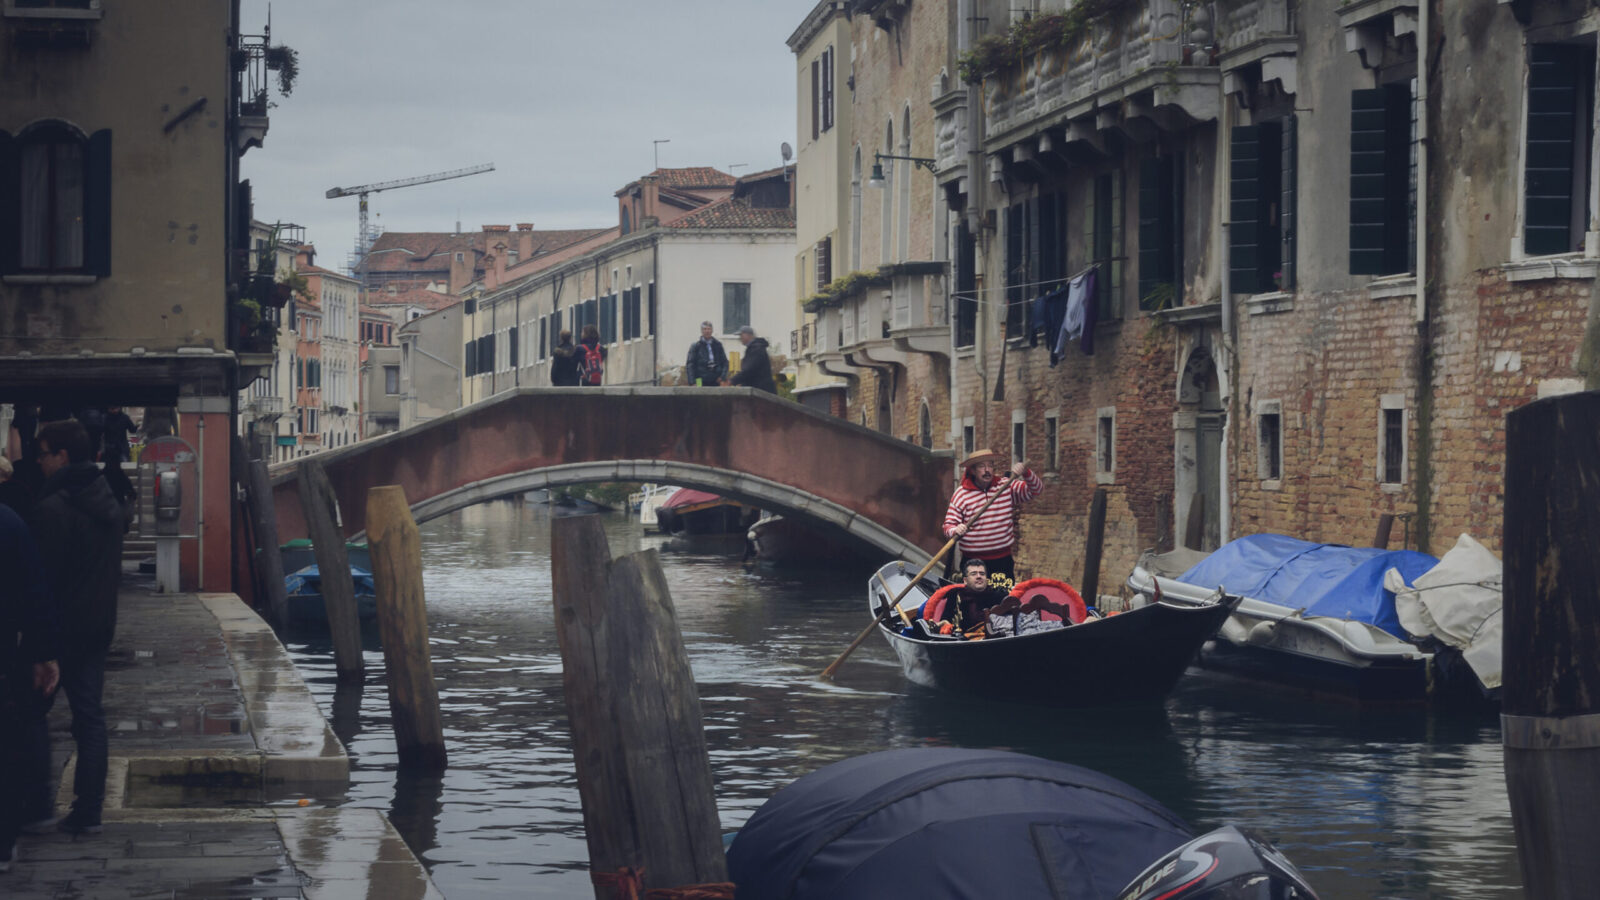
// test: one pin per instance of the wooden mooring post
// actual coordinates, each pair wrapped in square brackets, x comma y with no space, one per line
[320,509]
[1092,547]
[1385,526]
[1550,699]
[396,549]
[643,771]
[266,561]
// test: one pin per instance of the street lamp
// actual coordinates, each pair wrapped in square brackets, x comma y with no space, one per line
[876,178]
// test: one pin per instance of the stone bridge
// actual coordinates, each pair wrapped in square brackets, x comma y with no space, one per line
[735,442]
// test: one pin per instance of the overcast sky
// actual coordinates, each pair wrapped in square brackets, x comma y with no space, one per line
[564,99]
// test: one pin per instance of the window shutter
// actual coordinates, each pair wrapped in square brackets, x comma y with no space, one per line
[1287,220]
[1553,70]
[511,349]
[827,89]
[1016,267]
[824,255]
[97,204]
[10,209]
[1155,238]
[1244,211]
[816,99]
[1368,180]
[652,308]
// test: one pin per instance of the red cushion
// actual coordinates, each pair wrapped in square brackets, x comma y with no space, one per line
[1058,592]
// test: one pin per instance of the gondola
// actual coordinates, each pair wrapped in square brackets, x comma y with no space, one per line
[1131,657]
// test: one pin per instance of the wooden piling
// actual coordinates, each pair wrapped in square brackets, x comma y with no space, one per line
[264,525]
[319,507]
[403,627]
[1385,525]
[643,771]
[1550,698]
[1090,586]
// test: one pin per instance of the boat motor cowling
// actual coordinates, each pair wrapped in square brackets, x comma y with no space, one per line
[1225,864]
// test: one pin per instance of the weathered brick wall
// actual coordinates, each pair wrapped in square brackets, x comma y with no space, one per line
[1329,360]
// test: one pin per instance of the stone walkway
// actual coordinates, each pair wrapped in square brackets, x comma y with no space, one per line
[214,741]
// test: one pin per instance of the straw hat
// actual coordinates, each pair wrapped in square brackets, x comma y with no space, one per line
[978,456]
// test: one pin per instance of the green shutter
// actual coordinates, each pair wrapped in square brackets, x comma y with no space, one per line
[1369,177]
[1158,234]
[10,205]
[1553,73]
[97,204]
[1288,220]
[512,349]
[1244,211]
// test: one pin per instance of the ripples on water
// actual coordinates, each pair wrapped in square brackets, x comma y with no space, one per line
[1369,804]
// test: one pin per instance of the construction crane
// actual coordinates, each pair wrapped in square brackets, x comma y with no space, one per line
[363,242]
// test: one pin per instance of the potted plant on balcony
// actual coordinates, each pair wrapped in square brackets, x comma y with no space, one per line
[286,62]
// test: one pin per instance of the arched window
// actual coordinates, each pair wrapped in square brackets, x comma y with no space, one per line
[886,225]
[925,428]
[55,201]
[903,218]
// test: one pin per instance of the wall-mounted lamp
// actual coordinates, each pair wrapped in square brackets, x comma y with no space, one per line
[876,178]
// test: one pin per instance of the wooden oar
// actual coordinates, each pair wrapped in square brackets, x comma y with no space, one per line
[894,605]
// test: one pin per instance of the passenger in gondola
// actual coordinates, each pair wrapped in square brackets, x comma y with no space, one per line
[959,610]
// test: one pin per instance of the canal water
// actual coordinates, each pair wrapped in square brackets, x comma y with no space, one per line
[1370,804]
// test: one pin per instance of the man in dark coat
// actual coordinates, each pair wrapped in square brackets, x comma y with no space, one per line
[29,637]
[755,369]
[707,365]
[564,362]
[79,526]
[118,427]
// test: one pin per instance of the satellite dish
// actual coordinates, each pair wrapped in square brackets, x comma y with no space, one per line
[787,151]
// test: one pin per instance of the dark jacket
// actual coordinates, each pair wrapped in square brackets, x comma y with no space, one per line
[118,427]
[29,623]
[564,369]
[708,365]
[755,368]
[79,524]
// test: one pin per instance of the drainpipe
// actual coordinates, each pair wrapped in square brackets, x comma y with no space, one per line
[1230,342]
[655,281]
[1424,351]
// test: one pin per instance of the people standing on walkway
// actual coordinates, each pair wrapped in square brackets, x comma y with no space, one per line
[593,367]
[707,365]
[79,525]
[29,636]
[993,537]
[118,426]
[755,369]
[564,361]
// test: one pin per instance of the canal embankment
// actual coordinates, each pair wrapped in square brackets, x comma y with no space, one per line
[222,775]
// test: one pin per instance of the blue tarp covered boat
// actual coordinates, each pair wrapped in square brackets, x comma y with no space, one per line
[304,587]
[1314,615]
[1323,579]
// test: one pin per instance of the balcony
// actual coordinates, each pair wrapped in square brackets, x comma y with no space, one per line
[901,311]
[60,24]
[1258,33]
[265,407]
[1152,64]
[951,141]
[1382,31]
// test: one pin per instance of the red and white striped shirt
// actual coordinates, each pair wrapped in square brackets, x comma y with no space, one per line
[995,533]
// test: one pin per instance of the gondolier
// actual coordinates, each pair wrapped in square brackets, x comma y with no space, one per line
[993,536]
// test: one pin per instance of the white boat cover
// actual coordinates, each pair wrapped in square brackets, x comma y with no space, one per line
[1458,601]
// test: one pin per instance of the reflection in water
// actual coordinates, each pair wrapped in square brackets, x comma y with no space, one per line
[1370,804]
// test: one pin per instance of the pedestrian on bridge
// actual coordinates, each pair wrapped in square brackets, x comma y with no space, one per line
[755,369]
[564,367]
[707,365]
[993,537]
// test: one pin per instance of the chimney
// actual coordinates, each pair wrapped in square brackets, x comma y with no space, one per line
[649,200]
[524,241]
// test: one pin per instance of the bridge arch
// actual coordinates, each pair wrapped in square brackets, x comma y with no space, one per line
[738,443]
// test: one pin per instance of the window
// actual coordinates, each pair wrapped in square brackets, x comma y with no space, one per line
[1382,198]
[1160,231]
[1019,436]
[816,98]
[650,322]
[1103,218]
[824,260]
[1021,251]
[469,359]
[511,348]
[632,314]
[1560,131]
[55,201]
[1261,188]
[925,428]
[1392,439]
[966,307]
[968,437]
[608,318]
[827,89]
[735,306]
[1052,441]
[544,337]
[1269,441]
[1105,455]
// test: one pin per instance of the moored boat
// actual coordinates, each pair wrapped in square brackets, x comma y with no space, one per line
[1316,617]
[306,605]
[787,541]
[1093,660]
[697,512]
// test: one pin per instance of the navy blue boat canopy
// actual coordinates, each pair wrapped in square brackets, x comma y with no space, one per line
[1323,579]
[944,823]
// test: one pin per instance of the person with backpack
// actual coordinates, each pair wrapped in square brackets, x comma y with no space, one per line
[593,367]
[564,369]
